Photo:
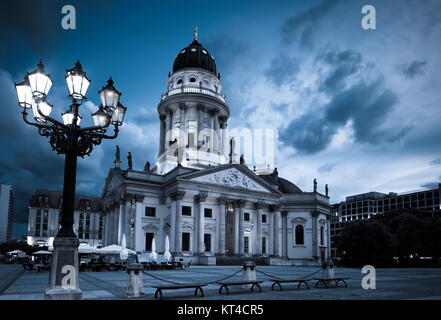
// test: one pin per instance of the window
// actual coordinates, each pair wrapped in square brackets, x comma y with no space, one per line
[299,235]
[322,236]
[263,218]
[246,244]
[208,213]
[247,216]
[148,241]
[207,242]
[263,245]
[186,211]
[185,241]
[38,223]
[179,81]
[150,211]
[192,79]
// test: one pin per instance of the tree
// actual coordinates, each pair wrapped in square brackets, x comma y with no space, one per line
[366,242]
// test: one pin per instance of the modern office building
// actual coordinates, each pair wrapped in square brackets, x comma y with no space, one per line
[366,205]
[44,214]
[6,211]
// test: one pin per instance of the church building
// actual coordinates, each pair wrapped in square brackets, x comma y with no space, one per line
[209,204]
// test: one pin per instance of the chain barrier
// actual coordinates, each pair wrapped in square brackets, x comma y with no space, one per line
[177,283]
[224,278]
[274,277]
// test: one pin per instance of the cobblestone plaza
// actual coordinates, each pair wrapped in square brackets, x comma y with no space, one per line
[421,284]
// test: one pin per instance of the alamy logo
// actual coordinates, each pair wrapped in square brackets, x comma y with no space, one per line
[369,20]
[69,20]
[69,280]
[369,281]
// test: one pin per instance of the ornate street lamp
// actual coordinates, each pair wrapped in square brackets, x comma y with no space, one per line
[70,139]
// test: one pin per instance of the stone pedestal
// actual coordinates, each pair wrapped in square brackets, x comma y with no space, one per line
[63,280]
[249,273]
[328,270]
[135,285]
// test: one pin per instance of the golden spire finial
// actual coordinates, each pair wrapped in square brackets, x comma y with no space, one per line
[196,33]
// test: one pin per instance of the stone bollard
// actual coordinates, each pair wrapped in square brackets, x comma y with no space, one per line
[249,273]
[328,270]
[135,285]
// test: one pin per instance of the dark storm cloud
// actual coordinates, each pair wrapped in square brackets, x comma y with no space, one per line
[344,64]
[301,27]
[413,69]
[283,69]
[34,24]
[366,104]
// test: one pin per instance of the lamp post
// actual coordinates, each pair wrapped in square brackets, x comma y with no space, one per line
[70,139]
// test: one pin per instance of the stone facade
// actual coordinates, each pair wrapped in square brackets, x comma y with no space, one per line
[44,215]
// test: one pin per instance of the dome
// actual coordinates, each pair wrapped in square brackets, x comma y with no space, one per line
[195,56]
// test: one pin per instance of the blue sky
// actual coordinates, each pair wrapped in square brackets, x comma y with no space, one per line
[356,109]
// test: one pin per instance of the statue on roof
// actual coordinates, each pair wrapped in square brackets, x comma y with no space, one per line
[129,160]
[326,190]
[147,167]
[117,157]
[315,185]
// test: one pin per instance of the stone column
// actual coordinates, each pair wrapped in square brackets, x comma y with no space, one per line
[200,200]
[200,110]
[137,236]
[314,215]
[284,235]
[236,228]
[168,133]
[271,233]
[258,207]
[172,231]
[121,220]
[328,235]
[177,196]
[127,218]
[277,229]
[115,223]
[223,124]
[215,133]
[221,202]
[162,133]
[241,204]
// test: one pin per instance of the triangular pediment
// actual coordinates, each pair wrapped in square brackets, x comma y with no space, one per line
[231,176]
[112,182]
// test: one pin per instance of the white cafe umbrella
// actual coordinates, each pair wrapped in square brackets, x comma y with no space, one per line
[113,249]
[167,254]
[84,248]
[15,252]
[41,252]
[153,254]
[124,254]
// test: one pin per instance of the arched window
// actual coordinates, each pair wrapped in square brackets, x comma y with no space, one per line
[300,234]
[322,236]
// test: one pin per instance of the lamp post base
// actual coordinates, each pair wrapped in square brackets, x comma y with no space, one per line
[64,277]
